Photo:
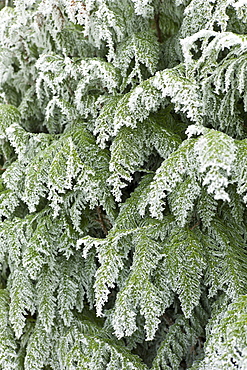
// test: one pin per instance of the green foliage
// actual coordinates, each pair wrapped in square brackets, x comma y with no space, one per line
[123,185]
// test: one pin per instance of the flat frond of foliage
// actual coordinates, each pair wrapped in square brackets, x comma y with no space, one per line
[123,128]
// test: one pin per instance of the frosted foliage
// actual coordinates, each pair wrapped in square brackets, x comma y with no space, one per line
[46,286]
[62,181]
[123,184]
[220,89]
[18,139]
[107,274]
[194,130]
[8,350]
[213,166]
[181,334]
[226,349]
[208,14]
[144,50]
[125,158]
[169,174]
[38,349]
[8,115]
[8,203]
[22,300]
[241,9]
[76,10]
[183,202]
[38,249]
[206,207]
[99,20]
[182,250]
[138,291]
[104,122]
[136,105]
[85,345]
[3,308]
[240,170]
[51,73]
[8,347]
[89,71]
[14,241]
[125,320]
[216,158]
[8,15]
[52,8]
[67,293]
[228,271]
[132,147]
[55,72]
[143,7]
[147,97]
[180,2]
[184,92]
[188,43]
[214,43]
[6,73]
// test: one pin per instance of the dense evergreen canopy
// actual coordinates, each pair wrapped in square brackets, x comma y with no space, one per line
[123,136]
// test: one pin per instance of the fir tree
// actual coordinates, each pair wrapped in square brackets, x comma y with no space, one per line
[123,135]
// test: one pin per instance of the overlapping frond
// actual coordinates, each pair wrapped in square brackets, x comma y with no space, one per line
[220,61]
[226,346]
[132,147]
[8,346]
[123,184]
[88,346]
